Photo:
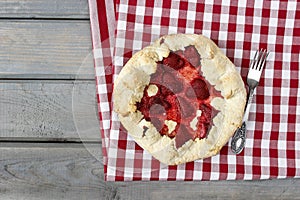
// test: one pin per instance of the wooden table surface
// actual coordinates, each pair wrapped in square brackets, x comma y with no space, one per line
[50,146]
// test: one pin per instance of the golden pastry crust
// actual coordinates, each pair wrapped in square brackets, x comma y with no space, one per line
[217,69]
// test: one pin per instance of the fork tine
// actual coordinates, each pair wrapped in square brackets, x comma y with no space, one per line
[253,61]
[258,61]
[261,59]
[265,58]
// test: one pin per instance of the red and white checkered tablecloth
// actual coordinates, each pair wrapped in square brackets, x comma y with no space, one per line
[239,28]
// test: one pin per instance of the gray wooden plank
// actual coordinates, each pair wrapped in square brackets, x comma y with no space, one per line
[44,9]
[45,49]
[48,110]
[52,172]
[73,171]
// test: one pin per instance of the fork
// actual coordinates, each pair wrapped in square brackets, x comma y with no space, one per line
[255,69]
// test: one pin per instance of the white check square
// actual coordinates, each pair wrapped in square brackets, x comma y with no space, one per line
[231,176]
[281,145]
[222,35]
[104,106]
[214,176]
[123,8]
[197,175]
[140,10]
[286,57]
[157,11]
[292,5]
[239,36]
[163,174]
[256,21]
[273,22]
[283,126]
[275,5]
[240,19]
[242,4]
[174,13]
[255,39]
[248,176]
[288,40]
[267,126]
[189,30]
[191,15]
[207,17]
[289,23]
[282,163]
[265,161]
[106,124]
[121,25]
[180,173]
[258,5]
[224,18]
[285,92]
[272,39]
[238,53]
[226,3]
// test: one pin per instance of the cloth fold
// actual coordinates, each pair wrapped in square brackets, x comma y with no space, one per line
[272,150]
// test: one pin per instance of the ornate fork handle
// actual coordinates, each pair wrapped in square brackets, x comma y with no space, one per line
[255,69]
[239,138]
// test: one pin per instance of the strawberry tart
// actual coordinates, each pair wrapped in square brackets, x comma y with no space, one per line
[181,98]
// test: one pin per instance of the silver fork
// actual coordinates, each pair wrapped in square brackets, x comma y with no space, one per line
[255,69]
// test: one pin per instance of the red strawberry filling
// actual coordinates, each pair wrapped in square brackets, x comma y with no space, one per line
[180,105]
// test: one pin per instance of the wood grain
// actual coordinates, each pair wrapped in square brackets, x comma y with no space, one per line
[44,9]
[51,172]
[60,171]
[43,49]
[48,110]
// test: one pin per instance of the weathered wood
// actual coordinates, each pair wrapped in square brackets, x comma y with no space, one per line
[45,49]
[50,171]
[60,171]
[44,9]
[48,110]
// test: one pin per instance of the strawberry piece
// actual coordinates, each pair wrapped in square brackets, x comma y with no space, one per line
[174,114]
[190,93]
[158,123]
[182,136]
[186,107]
[174,61]
[168,79]
[214,112]
[172,82]
[163,102]
[200,89]
[202,130]
[164,91]
[206,113]
[180,53]
[164,130]
[157,110]
[189,73]
[192,55]
[156,77]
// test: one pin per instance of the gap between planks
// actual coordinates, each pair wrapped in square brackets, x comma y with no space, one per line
[48,144]
[44,9]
